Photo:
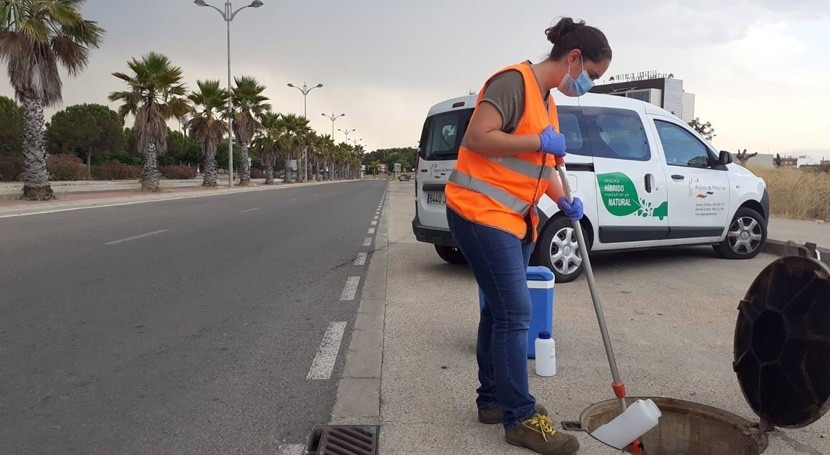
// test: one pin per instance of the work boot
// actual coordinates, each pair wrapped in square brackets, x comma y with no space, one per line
[537,434]
[496,415]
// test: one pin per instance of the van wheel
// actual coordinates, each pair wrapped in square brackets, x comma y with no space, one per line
[746,237]
[450,254]
[558,250]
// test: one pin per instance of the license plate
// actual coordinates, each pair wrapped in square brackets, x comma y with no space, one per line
[436,198]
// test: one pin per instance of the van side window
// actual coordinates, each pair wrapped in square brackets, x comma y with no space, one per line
[681,147]
[572,126]
[617,133]
[443,134]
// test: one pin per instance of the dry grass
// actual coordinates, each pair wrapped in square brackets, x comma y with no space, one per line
[797,194]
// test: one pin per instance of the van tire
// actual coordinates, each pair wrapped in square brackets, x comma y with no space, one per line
[450,254]
[558,234]
[746,236]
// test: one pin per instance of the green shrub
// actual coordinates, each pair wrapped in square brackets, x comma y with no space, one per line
[113,170]
[257,173]
[65,166]
[178,171]
[11,168]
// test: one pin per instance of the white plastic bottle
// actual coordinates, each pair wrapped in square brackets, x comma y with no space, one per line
[636,421]
[545,355]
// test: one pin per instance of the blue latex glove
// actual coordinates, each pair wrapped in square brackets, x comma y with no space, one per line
[573,211]
[552,142]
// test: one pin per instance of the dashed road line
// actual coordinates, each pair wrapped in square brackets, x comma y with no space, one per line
[326,357]
[367,241]
[361,259]
[374,223]
[250,210]
[136,237]
[371,230]
[291,449]
[350,290]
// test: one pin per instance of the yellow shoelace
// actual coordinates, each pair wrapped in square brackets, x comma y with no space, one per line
[541,424]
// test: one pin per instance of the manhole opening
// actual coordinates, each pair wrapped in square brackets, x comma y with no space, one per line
[343,440]
[686,428]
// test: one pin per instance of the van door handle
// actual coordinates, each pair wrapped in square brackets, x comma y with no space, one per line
[678,177]
[423,170]
[649,179]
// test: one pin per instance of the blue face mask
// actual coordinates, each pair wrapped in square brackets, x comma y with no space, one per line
[576,87]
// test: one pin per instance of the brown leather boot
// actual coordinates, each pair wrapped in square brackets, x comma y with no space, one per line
[537,434]
[496,415]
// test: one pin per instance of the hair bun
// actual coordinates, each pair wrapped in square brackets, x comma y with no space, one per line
[563,27]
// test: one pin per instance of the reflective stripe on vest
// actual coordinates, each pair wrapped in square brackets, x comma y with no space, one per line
[522,167]
[493,192]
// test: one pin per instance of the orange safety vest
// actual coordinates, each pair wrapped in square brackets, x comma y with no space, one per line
[501,192]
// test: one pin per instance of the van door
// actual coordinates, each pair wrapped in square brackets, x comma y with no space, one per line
[698,186]
[440,140]
[632,201]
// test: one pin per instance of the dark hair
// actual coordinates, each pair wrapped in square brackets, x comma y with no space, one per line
[568,35]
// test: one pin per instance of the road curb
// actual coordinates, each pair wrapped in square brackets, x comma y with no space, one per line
[358,393]
[791,248]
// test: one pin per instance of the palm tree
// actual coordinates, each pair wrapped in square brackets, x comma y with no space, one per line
[155,94]
[248,99]
[35,37]
[296,132]
[206,126]
[267,142]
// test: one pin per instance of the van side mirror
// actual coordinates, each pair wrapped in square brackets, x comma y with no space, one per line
[725,157]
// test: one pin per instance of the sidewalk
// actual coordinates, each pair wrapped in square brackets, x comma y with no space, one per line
[672,333]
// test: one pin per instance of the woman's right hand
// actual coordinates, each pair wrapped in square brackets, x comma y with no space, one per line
[552,142]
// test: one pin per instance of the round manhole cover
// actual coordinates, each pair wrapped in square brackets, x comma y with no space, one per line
[782,342]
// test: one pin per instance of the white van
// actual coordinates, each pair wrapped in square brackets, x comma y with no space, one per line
[646,178]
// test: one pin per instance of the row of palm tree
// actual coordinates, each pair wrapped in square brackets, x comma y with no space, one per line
[155,93]
[38,36]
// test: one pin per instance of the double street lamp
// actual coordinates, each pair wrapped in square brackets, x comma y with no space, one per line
[332,117]
[305,91]
[228,14]
[346,132]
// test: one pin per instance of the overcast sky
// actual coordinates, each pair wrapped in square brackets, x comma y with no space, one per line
[760,68]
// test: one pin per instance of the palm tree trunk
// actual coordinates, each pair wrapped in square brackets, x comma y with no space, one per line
[287,178]
[150,174]
[35,177]
[244,167]
[269,174]
[210,164]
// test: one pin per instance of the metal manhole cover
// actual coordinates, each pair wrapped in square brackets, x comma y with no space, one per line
[782,342]
[343,440]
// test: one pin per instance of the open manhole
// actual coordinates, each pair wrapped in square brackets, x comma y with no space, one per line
[782,360]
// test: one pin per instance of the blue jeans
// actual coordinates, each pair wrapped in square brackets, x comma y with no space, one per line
[499,262]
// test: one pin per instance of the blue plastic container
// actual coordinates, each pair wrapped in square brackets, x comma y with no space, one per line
[540,283]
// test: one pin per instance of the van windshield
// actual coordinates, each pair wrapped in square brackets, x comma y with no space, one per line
[443,133]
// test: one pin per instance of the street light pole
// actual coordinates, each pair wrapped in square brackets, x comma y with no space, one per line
[228,16]
[346,132]
[333,117]
[305,90]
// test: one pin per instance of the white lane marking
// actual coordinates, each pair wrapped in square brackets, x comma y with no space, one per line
[376,217]
[367,241]
[350,290]
[292,449]
[292,200]
[371,230]
[326,357]
[374,223]
[136,237]
[250,210]
[361,259]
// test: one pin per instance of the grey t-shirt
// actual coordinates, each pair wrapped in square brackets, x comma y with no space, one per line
[506,92]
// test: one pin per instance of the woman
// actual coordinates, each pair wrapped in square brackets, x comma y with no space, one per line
[504,166]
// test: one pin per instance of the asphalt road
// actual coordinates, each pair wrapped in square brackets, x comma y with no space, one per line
[186,326]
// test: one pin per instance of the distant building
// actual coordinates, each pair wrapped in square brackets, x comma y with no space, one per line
[662,90]
[787,161]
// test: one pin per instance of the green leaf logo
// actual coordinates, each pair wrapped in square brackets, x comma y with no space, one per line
[619,195]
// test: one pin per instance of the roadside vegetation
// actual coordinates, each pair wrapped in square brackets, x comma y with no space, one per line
[802,194]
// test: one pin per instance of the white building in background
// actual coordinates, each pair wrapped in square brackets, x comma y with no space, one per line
[660,89]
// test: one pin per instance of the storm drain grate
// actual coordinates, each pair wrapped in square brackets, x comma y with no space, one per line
[343,440]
